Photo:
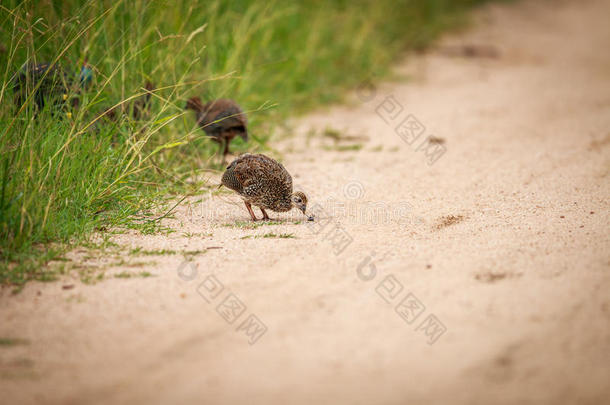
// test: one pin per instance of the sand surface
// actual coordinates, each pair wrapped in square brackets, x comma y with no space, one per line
[481,278]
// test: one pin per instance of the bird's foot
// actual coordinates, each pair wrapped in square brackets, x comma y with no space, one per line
[265,216]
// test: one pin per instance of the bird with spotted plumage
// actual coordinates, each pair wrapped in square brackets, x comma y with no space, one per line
[265,183]
[221,119]
[50,83]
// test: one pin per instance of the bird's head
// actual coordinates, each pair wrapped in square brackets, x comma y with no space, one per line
[194,103]
[299,200]
[85,76]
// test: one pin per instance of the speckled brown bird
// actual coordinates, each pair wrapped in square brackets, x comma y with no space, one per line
[221,119]
[48,83]
[43,82]
[265,183]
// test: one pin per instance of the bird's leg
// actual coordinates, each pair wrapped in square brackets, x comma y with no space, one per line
[222,144]
[226,144]
[220,148]
[265,216]
[249,207]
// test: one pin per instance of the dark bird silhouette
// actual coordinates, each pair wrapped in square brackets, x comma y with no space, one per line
[265,183]
[221,119]
[45,82]
[49,83]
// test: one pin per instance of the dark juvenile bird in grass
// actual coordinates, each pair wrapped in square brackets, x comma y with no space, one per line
[221,119]
[42,81]
[48,83]
[265,183]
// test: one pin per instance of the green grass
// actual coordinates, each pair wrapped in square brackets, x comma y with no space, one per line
[280,236]
[5,341]
[252,224]
[271,235]
[162,252]
[144,252]
[127,274]
[190,235]
[64,174]
[344,148]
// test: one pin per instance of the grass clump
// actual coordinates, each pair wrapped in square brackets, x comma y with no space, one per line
[65,172]
[271,235]
[344,148]
[279,236]
[6,341]
[127,274]
[251,224]
[144,252]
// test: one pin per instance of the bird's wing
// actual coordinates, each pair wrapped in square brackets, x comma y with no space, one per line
[250,169]
[274,173]
[248,173]
[230,179]
[282,176]
[222,114]
[242,172]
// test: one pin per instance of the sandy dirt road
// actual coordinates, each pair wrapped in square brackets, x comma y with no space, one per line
[482,278]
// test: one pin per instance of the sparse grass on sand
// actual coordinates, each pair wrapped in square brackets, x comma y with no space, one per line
[64,173]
